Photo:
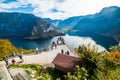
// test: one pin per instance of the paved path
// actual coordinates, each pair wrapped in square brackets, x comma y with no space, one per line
[45,57]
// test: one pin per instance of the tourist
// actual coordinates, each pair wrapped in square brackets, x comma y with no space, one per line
[37,51]
[13,61]
[21,56]
[62,51]
[6,60]
[13,55]
[68,53]
[55,45]
[60,38]
[63,41]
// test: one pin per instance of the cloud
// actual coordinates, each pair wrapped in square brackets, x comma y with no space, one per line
[60,9]
[68,8]
[23,9]
[60,0]
[54,10]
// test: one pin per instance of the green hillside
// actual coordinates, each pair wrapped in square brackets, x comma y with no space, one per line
[6,49]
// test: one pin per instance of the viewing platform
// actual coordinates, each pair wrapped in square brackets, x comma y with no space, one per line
[44,57]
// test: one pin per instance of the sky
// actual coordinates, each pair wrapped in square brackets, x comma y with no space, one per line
[56,9]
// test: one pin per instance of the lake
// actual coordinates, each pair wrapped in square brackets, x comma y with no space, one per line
[72,41]
[105,41]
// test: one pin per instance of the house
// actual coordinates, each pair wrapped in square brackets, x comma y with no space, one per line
[66,63]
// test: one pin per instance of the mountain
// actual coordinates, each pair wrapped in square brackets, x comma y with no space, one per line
[53,22]
[25,25]
[64,23]
[106,22]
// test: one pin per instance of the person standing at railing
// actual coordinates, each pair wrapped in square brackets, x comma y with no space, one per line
[5,59]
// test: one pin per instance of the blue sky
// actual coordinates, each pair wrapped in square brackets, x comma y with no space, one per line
[56,9]
[8,1]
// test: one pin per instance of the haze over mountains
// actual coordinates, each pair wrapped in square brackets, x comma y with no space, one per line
[106,22]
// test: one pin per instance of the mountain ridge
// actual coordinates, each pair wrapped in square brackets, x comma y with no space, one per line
[25,25]
[106,22]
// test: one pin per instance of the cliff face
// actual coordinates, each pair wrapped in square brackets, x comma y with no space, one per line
[24,25]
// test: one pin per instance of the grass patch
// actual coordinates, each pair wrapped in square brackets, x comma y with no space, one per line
[37,72]
[55,74]
[26,51]
[34,70]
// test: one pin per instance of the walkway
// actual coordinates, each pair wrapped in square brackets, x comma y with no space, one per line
[45,57]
